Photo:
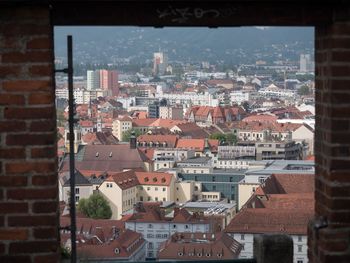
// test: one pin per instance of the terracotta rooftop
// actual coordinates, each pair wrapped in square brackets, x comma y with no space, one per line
[124,180]
[170,140]
[154,178]
[199,247]
[107,158]
[268,220]
[122,247]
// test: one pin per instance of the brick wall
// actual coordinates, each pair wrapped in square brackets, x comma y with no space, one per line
[28,164]
[332,144]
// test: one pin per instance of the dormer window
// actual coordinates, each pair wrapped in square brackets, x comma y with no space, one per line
[110,154]
[155,179]
[97,154]
[146,179]
[116,251]
[180,254]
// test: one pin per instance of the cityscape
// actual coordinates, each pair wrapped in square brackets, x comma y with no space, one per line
[183,152]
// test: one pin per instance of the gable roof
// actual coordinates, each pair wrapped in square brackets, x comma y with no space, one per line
[124,180]
[154,178]
[80,180]
[268,220]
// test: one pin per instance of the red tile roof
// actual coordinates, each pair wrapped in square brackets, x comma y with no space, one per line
[125,245]
[268,220]
[154,178]
[124,180]
[199,247]
[284,203]
[170,140]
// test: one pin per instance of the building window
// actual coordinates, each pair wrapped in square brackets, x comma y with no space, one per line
[300,248]
[77,199]
[164,199]
[150,246]
[231,179]
[174,226]
[164,189]
[149,198]
[300,238]
[213,179]
[242,236]
[156,189]
[300,261]
[187,227]
[141,198]
[156,198]
[77,191]
[242,246]
[148,188]
[214,187]
[150,226]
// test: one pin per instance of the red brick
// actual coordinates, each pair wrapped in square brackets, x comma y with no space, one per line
[40,43]
[29,220]
[45,207]
[13,234]
[33,247]
[13,208]
[24,29]
[46,70]
[340,71]
[340,218]
[47,152]
[11,43]
[32,194]
[27,85]
[12,153]
[10,71]
[30,139]
[44,126]
[45,233]
[52,258]
[15,258]
[11,99]
[29,56]
[13,180]
[41,98]
[12,126]
[27,167]
[41,180]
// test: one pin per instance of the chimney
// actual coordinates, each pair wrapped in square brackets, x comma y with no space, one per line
[132,140]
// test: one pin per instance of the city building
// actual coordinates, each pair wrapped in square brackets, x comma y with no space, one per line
[156,228]
[171,112]
[160,63]
[199,247]
[206,115]
[217,180]
[283,204]
[120,126]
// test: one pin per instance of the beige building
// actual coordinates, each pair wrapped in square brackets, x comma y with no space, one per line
[305,133]
[120,190]
[184,191]
[170,112]
[245,191]
[120,126]
[83,187]
[155,186]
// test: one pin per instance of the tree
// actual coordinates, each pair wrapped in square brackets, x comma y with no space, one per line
[228,138]
[127,134]
[218,136]
[231,139]
[95,207]
[304,90]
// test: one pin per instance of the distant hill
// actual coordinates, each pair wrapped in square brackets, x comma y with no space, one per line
[113,44]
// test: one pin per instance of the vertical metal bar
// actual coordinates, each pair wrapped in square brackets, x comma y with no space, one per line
[71,148]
